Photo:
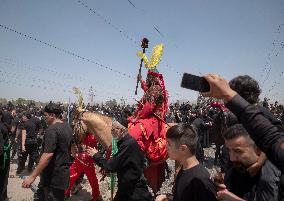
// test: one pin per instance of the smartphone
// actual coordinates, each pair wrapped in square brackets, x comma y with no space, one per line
[195,83]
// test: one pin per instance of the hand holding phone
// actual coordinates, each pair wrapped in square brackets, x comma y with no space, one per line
[195,83]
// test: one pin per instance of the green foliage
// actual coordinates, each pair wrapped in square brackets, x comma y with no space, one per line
[111,103]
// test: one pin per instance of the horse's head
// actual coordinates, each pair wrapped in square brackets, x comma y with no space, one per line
[97,124]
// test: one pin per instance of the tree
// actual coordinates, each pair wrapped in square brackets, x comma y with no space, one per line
[21,101]
[111,103]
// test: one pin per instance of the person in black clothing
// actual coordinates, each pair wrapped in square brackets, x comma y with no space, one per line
[38,123]
[28,144]
[193,180]
[201,128]
[7,119]
[268,137]
[14,133]
[240,184]
[249,89]
[55,159]
[4,159]
[246,87]
[39,128]
[128,163]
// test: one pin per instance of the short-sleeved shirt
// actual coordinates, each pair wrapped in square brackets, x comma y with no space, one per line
[31,135]
[37,122]
[57,140]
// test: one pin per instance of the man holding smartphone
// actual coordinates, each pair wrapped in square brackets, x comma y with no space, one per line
[266,135]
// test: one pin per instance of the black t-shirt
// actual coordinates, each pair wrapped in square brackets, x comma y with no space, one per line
[194,184]
[57,140]
[31,135]
[37,122]
[200,125]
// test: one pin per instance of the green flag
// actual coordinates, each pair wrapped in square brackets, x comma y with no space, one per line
[114,150]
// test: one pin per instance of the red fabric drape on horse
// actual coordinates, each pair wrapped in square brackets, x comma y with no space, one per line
[147,126]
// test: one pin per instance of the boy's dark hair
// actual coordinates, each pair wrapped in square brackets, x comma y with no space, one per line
[246,87]
[53,108]
[183,134]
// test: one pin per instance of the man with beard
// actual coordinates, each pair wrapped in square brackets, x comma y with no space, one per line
[239,183]
[128,163]
[249,89]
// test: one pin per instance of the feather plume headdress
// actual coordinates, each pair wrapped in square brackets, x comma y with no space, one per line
[156,57]
[79,94]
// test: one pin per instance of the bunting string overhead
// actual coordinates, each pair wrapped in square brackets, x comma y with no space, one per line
[93,11]
[66,51]
[63,76]
[277,48]
[17,79]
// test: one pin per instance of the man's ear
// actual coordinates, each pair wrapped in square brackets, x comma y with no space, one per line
[183,147]
[257,150]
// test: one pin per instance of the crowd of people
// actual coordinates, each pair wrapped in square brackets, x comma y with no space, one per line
[253,165]
[135,141]
[248,175]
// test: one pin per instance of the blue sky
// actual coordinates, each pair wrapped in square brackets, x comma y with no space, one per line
[227,37]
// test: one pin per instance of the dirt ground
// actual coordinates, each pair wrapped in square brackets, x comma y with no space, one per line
[17,193]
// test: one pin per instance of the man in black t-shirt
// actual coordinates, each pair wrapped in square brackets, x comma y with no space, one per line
[54,162]
[38,124]
[14,133]
[28,144]
[39,128]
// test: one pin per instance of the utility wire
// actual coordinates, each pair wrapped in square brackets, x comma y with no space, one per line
[65,51]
